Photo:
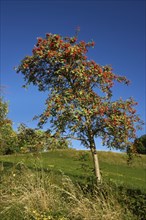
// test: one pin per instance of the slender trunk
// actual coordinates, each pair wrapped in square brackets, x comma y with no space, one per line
[96,162]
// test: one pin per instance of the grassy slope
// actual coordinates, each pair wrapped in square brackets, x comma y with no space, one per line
[113,165]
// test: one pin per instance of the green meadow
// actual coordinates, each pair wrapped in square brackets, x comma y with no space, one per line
[78,165]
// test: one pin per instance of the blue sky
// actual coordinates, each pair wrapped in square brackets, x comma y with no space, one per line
[117,27]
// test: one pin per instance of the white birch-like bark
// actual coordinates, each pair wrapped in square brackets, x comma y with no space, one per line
[96,163]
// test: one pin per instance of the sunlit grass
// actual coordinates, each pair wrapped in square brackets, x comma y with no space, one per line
[113,166]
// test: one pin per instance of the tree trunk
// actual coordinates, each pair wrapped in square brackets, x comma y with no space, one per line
[96,162]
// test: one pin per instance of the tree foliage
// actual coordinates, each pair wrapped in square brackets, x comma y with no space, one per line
[8,137]
[28,139]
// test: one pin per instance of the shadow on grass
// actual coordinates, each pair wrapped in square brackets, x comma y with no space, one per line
[4,165]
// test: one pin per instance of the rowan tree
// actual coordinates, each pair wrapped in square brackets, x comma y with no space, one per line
[79,103]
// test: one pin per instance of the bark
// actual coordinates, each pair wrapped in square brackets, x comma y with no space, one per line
[95,161]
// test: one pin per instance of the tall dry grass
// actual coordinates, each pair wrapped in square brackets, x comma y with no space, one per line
[36,195]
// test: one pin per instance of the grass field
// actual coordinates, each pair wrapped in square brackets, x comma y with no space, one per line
[78,165]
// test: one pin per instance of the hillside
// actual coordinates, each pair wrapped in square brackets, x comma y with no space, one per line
[78,165]
[59,185]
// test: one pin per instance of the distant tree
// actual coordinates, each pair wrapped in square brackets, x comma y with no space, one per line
[29,140]
[79,103]
[8,137]
[140,144]
[32,140]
